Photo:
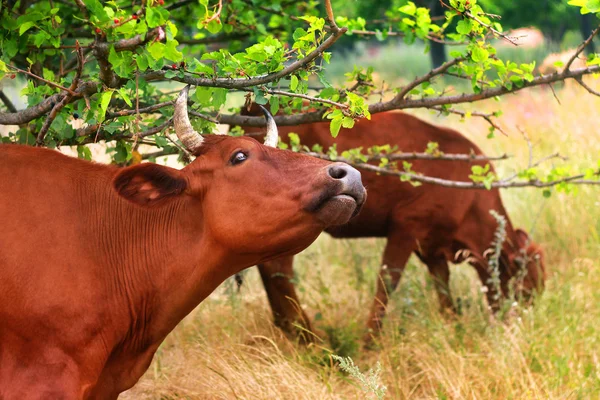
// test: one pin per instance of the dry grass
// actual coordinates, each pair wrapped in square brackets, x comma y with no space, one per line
[228,349]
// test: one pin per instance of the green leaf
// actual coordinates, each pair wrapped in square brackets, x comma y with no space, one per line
[156,16]
[464,27]
[122,151]
[203,95]
[479,54]
[274,102]
[219,97]
[335,126]
[104,102]
[293,83]
[171,52]
[259,97]
[142,62]
[348,122]
[125,96]
[3,69]
[25,27]
[84,152]
[156,50]
[96,9]
[214,26]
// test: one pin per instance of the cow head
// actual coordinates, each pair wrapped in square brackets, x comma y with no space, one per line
[527,259]
[252,198]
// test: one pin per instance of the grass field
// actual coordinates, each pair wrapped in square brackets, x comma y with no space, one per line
[229,349]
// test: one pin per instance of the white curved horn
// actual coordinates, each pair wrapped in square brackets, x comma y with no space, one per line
[191,139]
[272,134]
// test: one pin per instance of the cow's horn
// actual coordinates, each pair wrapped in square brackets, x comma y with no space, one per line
[191,139]
[272,135]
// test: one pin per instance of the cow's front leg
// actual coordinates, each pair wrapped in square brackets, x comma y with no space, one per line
[277,277]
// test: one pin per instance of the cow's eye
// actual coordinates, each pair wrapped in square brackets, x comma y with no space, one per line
[238,158]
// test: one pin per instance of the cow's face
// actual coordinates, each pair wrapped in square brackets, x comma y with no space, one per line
[256,198]
[528,261]
[249,198]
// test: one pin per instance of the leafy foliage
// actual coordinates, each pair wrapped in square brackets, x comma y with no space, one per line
[127,57]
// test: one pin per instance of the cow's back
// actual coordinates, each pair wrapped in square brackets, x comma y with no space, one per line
[45,198]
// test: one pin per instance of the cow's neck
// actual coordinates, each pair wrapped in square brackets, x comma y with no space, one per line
[165,264]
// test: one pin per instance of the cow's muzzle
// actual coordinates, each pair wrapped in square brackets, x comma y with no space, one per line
[343,198]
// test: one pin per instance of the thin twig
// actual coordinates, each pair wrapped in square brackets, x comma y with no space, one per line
[65,100]
[330,17]
[586,86]
[487,117]
[50,83]
[53,113]
[468,14]
[137,111]
[418,156]
[302,96]
[80,64]
[88,130]
[203,116]
[554,94]
[82,8]
[217,14]
[582,47]
[9,104]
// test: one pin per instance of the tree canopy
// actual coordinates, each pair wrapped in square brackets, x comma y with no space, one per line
[112,64]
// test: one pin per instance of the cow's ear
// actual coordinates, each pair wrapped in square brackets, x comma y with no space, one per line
[522,238]
[149,184]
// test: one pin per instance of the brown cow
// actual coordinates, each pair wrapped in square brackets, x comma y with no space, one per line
[98,264]
[436,223]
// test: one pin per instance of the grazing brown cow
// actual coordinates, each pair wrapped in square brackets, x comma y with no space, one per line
[98,264]
[436,223]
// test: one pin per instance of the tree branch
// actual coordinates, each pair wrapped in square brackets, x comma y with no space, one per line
[97,129]
[402,34]
[431,74]
[33,112]
[575,179]
[239,83]
[138,40]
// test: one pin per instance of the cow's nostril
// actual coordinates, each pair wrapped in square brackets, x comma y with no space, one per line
[338,171]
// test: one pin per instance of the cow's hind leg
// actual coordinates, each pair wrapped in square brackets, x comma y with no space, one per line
[396,254]
[278,279]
